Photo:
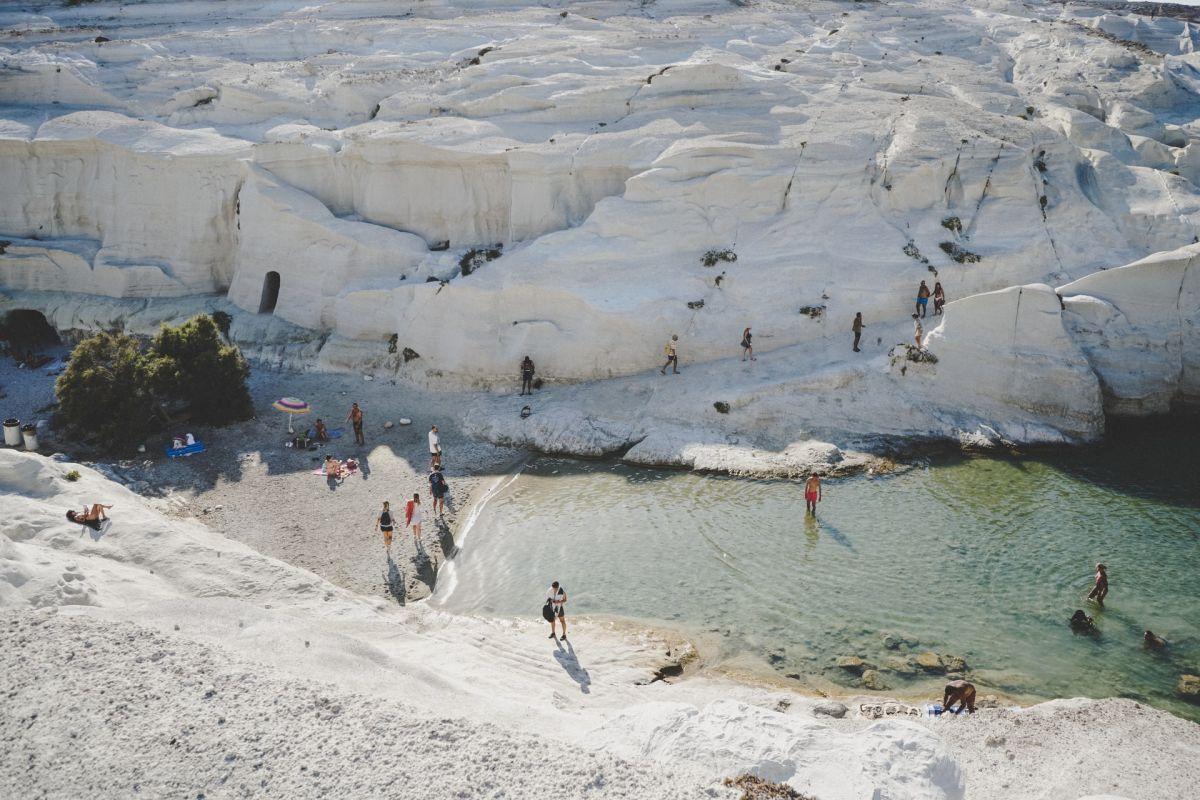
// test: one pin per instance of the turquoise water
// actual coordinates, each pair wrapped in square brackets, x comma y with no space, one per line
[980,557]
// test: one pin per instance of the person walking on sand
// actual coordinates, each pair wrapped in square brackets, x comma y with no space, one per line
[961,692]
[857,328]
[918,331]
[355,418]
[1100,589]
[672,356]
[412,516]
[435,448]
[922,299]
[939,297]
[747,346]
[527,376]
[384,523]
[556,596]
[812,493]
[438,488]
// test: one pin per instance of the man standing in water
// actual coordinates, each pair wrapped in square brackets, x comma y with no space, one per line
[557,597]
[857,328]
[1100,589]
[960,692]
[812,493]
[355,418]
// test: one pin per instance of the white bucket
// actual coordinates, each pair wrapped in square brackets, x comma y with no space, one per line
[29,433]
[12,432]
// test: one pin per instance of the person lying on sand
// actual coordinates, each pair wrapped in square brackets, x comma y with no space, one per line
[92,513]
[960,692]
[1082,623]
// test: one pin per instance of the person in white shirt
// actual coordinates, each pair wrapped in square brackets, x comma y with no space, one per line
[435,448]
[412,516]
[557,597]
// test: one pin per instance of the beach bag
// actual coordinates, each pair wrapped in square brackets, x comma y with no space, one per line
[548,612]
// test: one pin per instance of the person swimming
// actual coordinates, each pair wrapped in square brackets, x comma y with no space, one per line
[1082,623]
[1152,641]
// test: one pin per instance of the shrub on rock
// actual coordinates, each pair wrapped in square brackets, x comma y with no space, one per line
[105,390]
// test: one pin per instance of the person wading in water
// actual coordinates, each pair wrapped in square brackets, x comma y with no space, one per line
[812,493]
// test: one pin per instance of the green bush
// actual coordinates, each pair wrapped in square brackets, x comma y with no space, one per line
[72,476]
[114,390]
[191,363]
[105,390]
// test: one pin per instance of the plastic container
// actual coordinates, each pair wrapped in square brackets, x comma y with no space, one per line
[12,432]
[29,433]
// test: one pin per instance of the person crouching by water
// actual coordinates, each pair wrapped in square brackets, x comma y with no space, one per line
[812,493]
[1081,623]
[1100,589]
[556,596]
[527,376]
[960,692]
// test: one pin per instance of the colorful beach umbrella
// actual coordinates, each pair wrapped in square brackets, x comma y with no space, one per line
[291,406]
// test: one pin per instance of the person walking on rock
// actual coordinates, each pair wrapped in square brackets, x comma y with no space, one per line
[355,418]
[556,596]
[527,376]
[672,356]
[939,298]
[812,493]
[747,345]
[918,331]
[438,488]
[922,299]
[435,449]
[857,328]
[412,516]
[384,523]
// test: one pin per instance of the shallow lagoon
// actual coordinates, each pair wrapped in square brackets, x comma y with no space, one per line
[982,557]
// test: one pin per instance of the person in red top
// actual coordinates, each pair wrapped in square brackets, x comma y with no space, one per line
[812,493]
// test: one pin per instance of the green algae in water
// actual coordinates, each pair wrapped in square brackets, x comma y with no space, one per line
[981,557]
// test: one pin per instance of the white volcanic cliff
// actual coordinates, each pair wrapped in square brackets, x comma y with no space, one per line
[332,166]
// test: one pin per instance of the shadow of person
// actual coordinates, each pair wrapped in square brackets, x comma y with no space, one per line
[570,663]
[394,580]
[445,539]
[812,534]
[364,467]
[331,482]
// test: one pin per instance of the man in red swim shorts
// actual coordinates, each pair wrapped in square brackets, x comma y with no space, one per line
[812,493]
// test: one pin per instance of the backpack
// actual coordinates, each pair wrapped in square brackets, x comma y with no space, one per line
[437,481]
[667,349]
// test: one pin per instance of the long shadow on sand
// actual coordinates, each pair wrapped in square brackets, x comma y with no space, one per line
[567,659]
[393,579]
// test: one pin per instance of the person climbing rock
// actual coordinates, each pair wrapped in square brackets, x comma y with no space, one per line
[384,523]
[857,328]
[922,299]
[1100,589]
[672,356]
[355,418]
[556,596]
[961,692]
[747,345]
[918,331]
[812,493]
[939,297]
[527,376]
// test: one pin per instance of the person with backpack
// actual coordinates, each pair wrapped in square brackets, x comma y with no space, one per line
[438,488]
[384,523]
[672,356]
[556,599]
[527,376]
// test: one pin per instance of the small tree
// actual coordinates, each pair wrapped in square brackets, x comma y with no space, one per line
[105,390]
[191,363]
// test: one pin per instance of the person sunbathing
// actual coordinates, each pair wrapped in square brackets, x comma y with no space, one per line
[90,514]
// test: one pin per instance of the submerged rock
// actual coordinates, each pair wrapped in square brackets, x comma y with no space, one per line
[1189,688]
[852,664]
[931,662]
[871,679]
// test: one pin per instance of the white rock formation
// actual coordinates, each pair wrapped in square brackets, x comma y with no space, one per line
[332,165]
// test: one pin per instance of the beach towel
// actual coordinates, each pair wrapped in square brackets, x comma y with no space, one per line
[188,450]
[335,433]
